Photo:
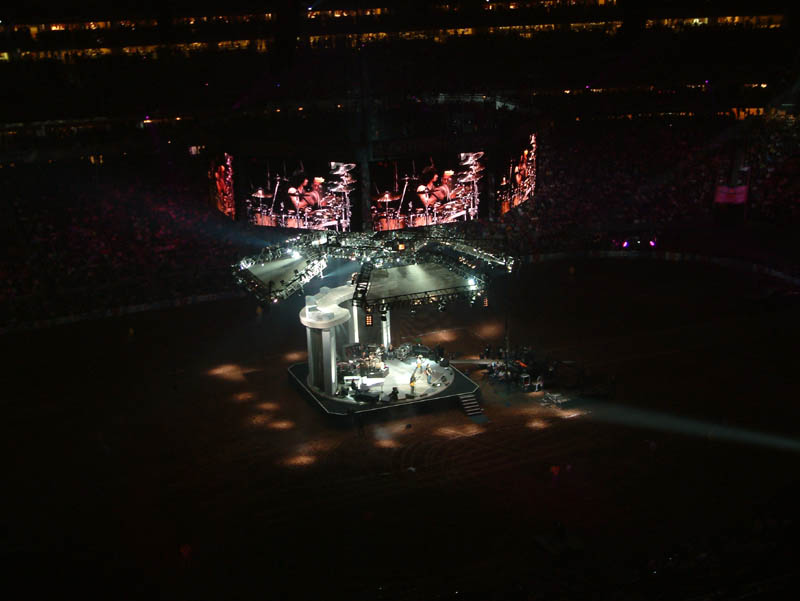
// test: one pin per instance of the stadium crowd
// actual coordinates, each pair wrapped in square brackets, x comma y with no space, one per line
[598,180]
[87,238]
[84,237]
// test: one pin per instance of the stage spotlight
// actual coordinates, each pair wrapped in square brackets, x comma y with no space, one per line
[485,301]
[442,307]
[368,320]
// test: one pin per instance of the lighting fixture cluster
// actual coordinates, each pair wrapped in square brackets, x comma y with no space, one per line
[476,260]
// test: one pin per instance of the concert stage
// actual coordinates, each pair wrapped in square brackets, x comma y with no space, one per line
[353,366]
[447,387]
[410,280]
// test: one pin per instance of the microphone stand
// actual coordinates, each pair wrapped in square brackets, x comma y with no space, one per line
[402,198]
[275,194]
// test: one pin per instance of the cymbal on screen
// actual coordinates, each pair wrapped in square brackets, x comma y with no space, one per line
[341,168]
[467,158]
[387,197]
[458,192]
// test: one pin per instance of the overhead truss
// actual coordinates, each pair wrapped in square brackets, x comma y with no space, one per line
[475,259]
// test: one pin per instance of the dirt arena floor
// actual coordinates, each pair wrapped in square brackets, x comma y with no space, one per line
[164,455]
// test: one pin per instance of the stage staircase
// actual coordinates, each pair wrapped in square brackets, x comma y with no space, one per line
[469,403]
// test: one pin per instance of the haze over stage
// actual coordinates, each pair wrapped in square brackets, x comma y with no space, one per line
[278,269]
[412,279]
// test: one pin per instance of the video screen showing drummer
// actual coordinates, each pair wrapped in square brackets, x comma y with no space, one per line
[319,202]
[431,194]
[314,196]
[404,197]
[520,183]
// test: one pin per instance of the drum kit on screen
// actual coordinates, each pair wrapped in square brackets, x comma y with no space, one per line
[455,198]
[317,205]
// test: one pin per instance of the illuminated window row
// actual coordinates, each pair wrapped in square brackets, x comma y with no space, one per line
[351,40]
[758,21]
[64,55]
[735,112]
[35,29]
[89,25]
[150,50]
[254,18]
[528,31]
[442,35]
[744,113]
[345,13]
[703,87]
[546,4]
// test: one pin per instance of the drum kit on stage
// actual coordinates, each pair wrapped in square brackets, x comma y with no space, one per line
[326,205]
[394,210]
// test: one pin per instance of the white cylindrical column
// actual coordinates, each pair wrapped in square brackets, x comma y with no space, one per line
[321,315]
[355,324]
[311,363]
[328,361]
[386,330]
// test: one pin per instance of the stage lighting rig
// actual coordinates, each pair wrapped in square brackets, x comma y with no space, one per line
[304,256]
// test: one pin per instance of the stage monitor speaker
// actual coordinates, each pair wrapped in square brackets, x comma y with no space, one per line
[444,362]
